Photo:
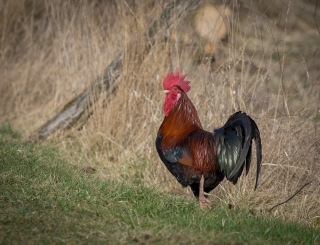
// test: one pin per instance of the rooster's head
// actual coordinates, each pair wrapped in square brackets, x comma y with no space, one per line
[174,85]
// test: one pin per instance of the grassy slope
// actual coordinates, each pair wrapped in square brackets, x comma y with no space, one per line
[44,200]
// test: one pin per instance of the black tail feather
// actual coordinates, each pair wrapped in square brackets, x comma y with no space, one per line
[248,159]
[258,144]
[235,146]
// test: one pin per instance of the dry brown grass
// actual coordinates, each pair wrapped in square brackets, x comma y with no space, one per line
[51,50]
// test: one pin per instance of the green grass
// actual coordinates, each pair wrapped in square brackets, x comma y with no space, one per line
[43,200]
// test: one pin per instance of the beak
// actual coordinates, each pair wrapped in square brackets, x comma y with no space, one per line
[166,91]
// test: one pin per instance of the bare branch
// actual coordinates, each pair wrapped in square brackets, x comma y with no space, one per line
[74,109]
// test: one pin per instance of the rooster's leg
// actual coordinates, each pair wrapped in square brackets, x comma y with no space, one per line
[204,203]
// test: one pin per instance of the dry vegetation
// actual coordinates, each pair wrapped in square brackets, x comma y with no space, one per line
[51,50]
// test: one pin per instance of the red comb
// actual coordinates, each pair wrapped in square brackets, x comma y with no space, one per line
[172,80]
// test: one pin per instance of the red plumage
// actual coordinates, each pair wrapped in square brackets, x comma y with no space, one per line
[198,158]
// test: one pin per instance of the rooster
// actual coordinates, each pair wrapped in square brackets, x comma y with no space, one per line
[198,158]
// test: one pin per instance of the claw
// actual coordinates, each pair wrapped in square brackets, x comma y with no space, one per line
[204,203]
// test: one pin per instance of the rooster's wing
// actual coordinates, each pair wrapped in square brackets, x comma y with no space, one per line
[178,161]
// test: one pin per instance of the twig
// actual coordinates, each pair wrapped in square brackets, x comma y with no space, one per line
[291,196]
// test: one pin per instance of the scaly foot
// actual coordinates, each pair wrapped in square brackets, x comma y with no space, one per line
[204,203]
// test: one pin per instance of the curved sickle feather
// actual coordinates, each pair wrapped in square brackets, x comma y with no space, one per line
[245,123]
[249,130]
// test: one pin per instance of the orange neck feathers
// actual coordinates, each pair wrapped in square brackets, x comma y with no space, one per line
[180,122]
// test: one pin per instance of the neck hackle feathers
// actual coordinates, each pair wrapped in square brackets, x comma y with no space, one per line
[176,80]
